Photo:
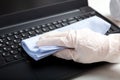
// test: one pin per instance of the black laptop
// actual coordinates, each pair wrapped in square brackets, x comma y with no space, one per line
[21,19]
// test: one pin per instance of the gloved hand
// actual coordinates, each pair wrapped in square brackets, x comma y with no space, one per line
[84,46]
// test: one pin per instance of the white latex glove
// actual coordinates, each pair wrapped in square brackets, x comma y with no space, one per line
[84,46]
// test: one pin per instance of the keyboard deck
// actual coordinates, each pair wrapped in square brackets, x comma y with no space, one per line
[10,44]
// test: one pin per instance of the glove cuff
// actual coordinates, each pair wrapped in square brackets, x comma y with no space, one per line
[113,54]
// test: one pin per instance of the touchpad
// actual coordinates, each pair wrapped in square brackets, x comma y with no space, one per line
[18,71]
[52,68]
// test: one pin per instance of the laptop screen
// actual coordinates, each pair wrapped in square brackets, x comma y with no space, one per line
[11,6]
[18,11]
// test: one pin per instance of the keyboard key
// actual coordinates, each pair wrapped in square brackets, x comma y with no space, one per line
[45,28]
[4,40]
[9,34]
[5,49]
[55,23]
[32,33]
[33,28]
[38,31]
[21,31]
[38,27]
[17,56]
[79,18]
[59,22]
[9,38]
[3,45]
[92,13]
[58,25]
[15,33]
[5,54]
[1,40]
[64,24]
[7,43]
[16,36]
[15,46]
[14,52]
[64,20]
[26,30]
[24,35]
[72,21]
[3,36]
[115,29]
[51,27]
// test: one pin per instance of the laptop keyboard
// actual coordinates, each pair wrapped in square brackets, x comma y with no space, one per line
[10,46]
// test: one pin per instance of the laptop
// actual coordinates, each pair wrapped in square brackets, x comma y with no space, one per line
[21,19]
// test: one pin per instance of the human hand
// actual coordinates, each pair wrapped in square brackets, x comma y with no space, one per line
[84,46]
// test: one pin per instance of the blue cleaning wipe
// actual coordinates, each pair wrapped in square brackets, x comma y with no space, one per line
[94,23]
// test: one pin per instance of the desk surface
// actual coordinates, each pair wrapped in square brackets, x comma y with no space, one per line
[109,71]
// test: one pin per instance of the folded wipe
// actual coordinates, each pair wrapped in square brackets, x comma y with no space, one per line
[94,23]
